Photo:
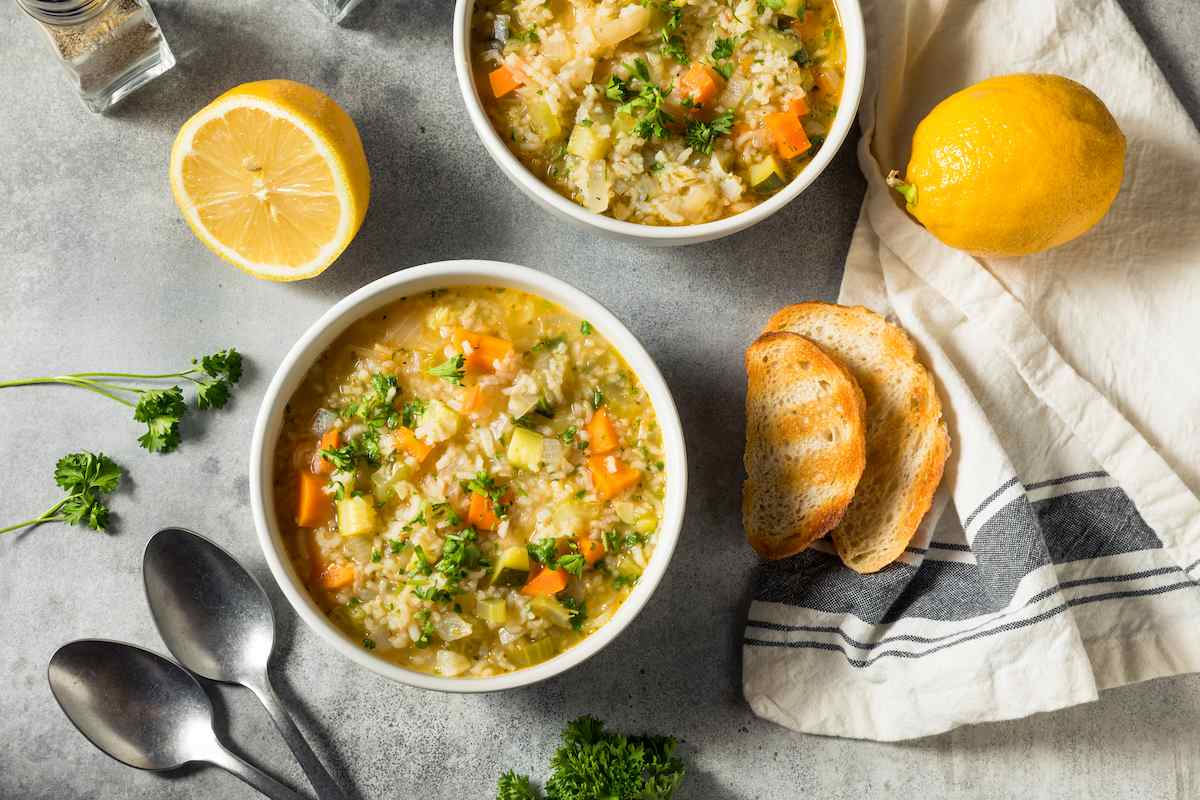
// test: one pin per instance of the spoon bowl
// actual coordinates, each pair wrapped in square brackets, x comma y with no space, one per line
[211,613]
[138,707]
[144,710]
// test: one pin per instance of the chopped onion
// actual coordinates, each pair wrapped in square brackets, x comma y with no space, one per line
[596,192]
[452,627]
[500,29]
[323,420]
[451,663]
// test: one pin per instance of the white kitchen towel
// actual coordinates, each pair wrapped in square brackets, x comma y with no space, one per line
[1060,554]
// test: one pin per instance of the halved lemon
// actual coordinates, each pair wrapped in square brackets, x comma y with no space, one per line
[272,177]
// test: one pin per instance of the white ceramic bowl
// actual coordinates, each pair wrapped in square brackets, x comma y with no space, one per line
[662,235]
[388,290]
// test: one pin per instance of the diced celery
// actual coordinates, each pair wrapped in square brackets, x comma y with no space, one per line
[356,516]
[623,123]
[525,449]
[528,654]
[792,8]
[586,144]
[544,121]
[628,567]
[493,610]
[512,567]
[780,41]
[646,524]
[767,176]
[551,610]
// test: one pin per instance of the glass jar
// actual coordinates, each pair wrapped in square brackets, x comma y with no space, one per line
[336,10]
[108,47]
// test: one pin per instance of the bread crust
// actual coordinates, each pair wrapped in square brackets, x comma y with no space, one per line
[805,443]
[907,438]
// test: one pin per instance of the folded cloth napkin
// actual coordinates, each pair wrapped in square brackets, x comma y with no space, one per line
[1060,553]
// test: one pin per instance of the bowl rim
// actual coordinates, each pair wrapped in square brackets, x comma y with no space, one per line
[850,14]
[391,288]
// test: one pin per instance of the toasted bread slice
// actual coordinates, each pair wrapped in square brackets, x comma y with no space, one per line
[805,443]
[907,442]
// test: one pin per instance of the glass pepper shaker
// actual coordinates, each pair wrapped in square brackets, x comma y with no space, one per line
[335,10]
[108,47]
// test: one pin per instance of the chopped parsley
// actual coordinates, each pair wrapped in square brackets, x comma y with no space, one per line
[549,343]
[671,44]
[572,563]
[648,102]
[451,369]
[411,411]
[586,328]
[423,567]
[368,643]
[723,49]
[425,626]
[700,135]
[617,89]
[568,435]
[597,398]
[544,551]
[578,612]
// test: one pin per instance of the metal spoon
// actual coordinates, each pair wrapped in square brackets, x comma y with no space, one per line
[217,620]
[144,710]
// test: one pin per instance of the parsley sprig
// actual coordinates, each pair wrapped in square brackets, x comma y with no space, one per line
[160,409]
[86,478]
[594,763]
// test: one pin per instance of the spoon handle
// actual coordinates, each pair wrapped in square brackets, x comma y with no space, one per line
[251,774]
[318,776]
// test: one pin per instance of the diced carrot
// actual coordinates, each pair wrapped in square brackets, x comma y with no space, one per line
[602,436]
[480,513]
[329,441]
[698,83]
[546,582]
[790,139]
[611,476]
[809,26]
[591,549]
[737,130]
[484,349]
[472,399]
[337,576]
[798,106]
[503,81]
[411,444]
[312,507]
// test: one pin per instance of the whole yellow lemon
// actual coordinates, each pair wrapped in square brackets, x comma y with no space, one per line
[1014,165]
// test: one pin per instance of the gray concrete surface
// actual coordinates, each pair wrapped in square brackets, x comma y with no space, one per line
[100,272]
